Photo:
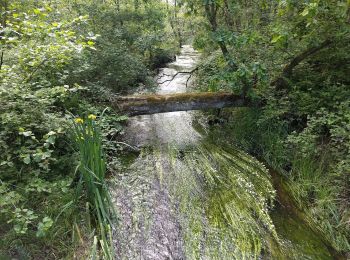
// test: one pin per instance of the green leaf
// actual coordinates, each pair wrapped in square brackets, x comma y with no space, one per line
[38,157]
[51,140]
[276,38]
[37,11]
[305,12]
[122,118]
[44,226]
[27,159]
[51,133]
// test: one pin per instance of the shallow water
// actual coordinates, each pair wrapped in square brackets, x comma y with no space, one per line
[167,128]
[188,196]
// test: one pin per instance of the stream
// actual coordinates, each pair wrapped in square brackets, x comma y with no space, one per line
[186,194]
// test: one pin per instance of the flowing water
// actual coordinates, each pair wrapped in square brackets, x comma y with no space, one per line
[188,195]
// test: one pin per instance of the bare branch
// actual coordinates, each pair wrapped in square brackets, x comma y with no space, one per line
[177,73]
[188,79]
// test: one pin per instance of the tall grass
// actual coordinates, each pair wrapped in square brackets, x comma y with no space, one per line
[92,185]
[310,181]
[313,188]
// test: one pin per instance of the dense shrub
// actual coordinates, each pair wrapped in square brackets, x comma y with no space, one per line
[55,63]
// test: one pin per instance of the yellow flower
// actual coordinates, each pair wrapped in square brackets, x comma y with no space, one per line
[92,117]
[79,120]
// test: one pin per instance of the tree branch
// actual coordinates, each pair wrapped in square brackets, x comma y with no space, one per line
[287,71]
[281,82]
[34,71]
[211,12]
[177,73]
[188,79]
[1,59]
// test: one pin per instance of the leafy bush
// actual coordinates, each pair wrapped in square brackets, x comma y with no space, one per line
[46,58]
[129,43]
[37,161]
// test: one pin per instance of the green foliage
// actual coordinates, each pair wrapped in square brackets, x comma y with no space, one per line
[35,50]
[92,167]
[305,119]
[110,47]
[36,163]
[46,57]
[21,219]
[217,76]
[44,226]
[128,42]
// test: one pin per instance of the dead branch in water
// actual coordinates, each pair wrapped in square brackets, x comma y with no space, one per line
[177,73]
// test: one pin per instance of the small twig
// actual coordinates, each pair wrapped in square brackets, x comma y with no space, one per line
[177,73]
[163,74]
[188,79]
[128,145]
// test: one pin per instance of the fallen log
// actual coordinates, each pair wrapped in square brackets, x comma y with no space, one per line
[152,104]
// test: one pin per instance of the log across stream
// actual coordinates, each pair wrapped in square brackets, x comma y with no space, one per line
[152,104]
[190,194]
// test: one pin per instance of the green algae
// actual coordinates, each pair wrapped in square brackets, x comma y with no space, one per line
[298,241]
[126,159]
[224,201]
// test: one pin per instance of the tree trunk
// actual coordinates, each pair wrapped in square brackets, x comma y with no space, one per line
[177,25]
[211,10]
[3,5]
[152,104]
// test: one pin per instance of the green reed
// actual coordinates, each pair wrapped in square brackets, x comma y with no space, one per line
[92,169]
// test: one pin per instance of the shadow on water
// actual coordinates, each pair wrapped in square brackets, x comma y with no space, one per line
[190,195]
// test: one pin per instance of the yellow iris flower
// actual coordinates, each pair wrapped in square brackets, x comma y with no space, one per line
[92,117]
[79,120]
